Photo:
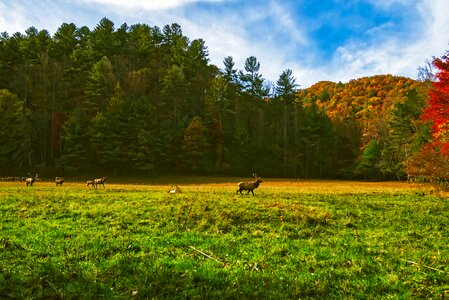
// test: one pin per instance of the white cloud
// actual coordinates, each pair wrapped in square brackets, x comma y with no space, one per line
[149,5]
[273,53]
[12,18]
[17,16]
[390,55]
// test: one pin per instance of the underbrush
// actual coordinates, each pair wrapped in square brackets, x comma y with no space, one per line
[141,243]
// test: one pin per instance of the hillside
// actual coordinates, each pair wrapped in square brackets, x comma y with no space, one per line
[376,119]
[361,97]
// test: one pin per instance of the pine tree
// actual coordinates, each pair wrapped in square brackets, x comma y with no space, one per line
[75,156]
[14,128]
[195,146]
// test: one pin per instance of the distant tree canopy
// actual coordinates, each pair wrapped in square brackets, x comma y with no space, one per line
[140,100]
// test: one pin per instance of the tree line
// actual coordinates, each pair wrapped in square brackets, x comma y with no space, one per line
[146,100]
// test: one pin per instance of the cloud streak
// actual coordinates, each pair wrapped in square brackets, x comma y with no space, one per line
[149,5]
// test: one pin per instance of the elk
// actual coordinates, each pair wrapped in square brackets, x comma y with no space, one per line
[30,180]
[59,180]
[91,182]
[249,186]
[99,181]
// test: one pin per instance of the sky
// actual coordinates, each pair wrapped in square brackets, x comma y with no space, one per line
[336,40]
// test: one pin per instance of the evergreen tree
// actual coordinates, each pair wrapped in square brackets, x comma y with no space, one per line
[100,86]
[112,135]
[286,89]
[174,94]
[317,143]
[368,167]
[14,139]
[76,156]
[229,72]
[196,147]
[219,118]
[252,81]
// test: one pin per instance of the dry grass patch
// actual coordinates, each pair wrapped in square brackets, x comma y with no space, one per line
[212,184]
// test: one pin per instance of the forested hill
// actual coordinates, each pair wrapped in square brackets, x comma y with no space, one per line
[142,100]
[384,111]
[364,95]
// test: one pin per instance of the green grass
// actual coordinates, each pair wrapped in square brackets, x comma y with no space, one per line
[140,242]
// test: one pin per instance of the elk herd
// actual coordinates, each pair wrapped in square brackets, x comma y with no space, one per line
[249,186]
[59,181]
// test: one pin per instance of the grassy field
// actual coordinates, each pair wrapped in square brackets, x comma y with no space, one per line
[294,239]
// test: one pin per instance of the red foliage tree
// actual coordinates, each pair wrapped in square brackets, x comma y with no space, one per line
[431,162]
[437,111]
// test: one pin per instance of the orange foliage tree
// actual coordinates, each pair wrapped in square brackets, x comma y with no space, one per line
[431,162]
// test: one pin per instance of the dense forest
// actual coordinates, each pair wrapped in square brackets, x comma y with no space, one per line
[141,100]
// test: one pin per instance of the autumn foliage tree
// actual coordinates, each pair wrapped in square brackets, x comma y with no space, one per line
[431,162]
[437,111]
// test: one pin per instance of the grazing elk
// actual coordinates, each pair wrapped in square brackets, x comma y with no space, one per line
[30,180]
[91,182]
[99,181]
[249,186]
[59,180]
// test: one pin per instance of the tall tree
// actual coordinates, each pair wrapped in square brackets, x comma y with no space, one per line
[174,45]
[254,87]
[230,73]
[252,81]
[65,42]
[15,144]
[174,94]
[196,147]
[100,86]
[111,135]
[218,117]
[286,89]
[318,142]
[75,156]
[102,40]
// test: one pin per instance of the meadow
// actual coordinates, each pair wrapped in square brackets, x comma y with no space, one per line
[293,239]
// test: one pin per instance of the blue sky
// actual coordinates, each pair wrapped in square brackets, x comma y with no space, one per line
[335,40]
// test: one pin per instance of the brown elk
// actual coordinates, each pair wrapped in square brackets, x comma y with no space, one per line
[59,181]
[249,186]
[30,180]
[91,182]
[99,181]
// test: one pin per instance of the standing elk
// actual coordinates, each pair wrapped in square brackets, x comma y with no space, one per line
[99,181]
[249,186]
[59,180]
[30,180]
[90,182]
